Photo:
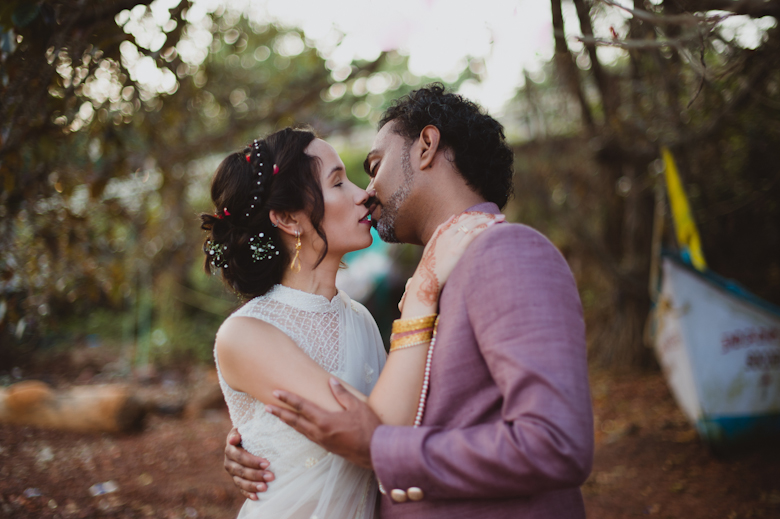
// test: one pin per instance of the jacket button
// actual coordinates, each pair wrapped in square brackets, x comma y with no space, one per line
[398,495]
[415,493]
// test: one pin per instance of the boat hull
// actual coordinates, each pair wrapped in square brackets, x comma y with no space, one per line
[720,351]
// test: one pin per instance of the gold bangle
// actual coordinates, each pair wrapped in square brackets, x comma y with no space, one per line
[410,339]
[407,325]
[400,335]
[396,347]
[419,336]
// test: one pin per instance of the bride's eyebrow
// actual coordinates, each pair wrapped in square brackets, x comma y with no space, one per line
[335,169]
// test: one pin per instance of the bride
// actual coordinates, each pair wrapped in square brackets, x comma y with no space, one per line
[286,214]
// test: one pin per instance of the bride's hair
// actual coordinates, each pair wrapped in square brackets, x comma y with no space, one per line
[273,173]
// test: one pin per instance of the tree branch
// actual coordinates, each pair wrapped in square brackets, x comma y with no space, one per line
[752,8]
[108,10]
[566,63]
[685,19]
[631,44]
[583,13]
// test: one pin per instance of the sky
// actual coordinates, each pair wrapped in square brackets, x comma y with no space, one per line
[437,35]
[508,37]
[511,36]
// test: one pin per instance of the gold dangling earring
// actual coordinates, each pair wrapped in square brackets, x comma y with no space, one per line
[297,253]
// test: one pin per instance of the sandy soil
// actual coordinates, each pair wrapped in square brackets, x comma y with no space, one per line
[648,462]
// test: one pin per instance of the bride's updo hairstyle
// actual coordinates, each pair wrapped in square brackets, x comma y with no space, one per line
[245,188]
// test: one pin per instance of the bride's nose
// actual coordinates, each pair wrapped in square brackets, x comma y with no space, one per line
[362,197]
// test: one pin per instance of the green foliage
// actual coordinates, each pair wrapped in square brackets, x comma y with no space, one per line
[588,171]
[114,114]
[113,117]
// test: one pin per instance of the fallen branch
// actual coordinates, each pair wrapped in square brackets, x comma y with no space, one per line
[101,408]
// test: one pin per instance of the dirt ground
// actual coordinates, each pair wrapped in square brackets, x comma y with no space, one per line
[648,463]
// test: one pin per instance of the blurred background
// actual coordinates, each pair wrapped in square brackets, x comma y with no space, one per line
[115,113]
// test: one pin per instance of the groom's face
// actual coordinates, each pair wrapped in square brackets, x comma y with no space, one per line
[392,178]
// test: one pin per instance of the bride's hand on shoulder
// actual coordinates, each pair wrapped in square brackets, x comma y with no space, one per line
[441,254]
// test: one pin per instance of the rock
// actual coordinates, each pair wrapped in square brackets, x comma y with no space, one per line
[98,489]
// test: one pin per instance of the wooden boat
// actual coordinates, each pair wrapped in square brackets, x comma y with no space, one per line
[719,347]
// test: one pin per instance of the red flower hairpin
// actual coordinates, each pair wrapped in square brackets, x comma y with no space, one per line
[276,169]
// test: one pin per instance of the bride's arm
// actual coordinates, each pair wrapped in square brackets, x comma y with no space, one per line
[396,396]
[257,358]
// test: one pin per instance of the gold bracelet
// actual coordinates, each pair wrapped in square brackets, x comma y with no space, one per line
[418,336]
[407,325]
[396,347]
[400,335]
[410,339]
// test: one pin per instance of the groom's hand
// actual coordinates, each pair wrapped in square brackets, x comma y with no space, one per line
[346,433]
[248,472]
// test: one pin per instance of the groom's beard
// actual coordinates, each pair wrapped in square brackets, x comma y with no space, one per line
[385,225]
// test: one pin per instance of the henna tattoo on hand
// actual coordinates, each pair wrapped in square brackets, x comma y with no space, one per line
[489,216]
[430,285]
[428,292]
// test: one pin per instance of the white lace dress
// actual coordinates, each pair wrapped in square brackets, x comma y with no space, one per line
[342,337]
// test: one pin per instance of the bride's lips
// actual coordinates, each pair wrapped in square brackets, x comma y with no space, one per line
[366,218]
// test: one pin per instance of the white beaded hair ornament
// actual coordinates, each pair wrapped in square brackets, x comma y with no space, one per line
[261,246]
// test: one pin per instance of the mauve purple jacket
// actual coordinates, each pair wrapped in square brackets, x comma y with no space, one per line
[508,425]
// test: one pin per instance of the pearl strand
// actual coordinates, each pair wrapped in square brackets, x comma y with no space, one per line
[423,392]
[426,379]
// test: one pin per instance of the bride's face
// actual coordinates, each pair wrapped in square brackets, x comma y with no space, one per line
[345,222]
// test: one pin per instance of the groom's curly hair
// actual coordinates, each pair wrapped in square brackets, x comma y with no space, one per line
[475,139]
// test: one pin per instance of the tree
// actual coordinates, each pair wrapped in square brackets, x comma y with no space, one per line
[682,81]
[110,113]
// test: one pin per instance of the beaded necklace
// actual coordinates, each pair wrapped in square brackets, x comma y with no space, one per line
[426,378]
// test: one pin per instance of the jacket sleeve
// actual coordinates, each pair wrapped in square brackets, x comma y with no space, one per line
[525,312]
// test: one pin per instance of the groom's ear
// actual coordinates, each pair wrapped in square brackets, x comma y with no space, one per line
[430,139]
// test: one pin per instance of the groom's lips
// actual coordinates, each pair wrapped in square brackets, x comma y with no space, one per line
[373,210]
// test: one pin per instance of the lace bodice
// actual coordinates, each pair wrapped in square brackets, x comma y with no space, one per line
[340,335]
[313,323]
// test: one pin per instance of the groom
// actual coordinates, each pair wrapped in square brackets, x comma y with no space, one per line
[508,428]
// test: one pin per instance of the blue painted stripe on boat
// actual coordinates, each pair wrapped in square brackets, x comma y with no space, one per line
[738,429]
